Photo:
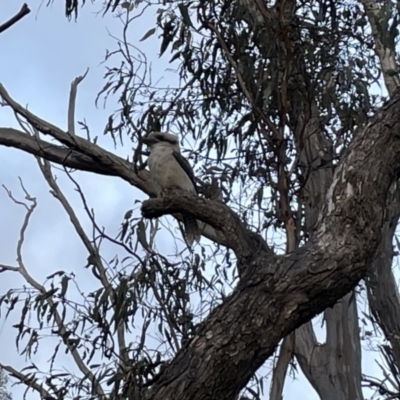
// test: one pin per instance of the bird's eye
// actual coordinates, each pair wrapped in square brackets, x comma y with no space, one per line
[160,137]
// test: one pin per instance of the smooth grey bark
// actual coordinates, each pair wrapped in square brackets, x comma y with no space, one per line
[333,368]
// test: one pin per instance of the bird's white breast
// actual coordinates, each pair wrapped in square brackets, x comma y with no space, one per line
[166,172]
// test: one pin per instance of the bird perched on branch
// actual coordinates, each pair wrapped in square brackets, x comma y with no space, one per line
[169,169]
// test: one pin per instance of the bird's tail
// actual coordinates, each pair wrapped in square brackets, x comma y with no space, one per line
[192,230]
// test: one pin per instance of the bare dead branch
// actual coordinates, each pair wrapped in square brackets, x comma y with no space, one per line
[58,154]
[8,268]
[72,101]
[10,195]
[25,10]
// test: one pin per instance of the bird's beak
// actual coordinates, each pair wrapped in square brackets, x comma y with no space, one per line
[149,141]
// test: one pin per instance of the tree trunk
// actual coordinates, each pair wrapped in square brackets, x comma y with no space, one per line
[333,368]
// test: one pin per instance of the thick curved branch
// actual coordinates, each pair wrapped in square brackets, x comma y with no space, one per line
[315,160]
[214,213]
[278,294]
[72,158]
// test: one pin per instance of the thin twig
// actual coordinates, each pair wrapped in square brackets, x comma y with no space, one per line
[8,268]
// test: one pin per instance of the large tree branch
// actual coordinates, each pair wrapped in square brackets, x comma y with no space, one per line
[275,294]
[336,366]
[383,296]
[216,214]
[107,159]
[61,155]
[278,294]
[329,374]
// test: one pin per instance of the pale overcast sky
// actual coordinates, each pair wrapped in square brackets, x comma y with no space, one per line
[39,57]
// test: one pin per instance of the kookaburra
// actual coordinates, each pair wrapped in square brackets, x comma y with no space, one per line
[168,170]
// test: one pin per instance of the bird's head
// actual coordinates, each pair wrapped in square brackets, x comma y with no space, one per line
[161,139]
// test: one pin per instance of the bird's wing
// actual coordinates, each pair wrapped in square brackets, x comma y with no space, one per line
[184,163]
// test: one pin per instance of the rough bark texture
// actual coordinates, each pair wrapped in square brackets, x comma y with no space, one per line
[278,294]
[383,296]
